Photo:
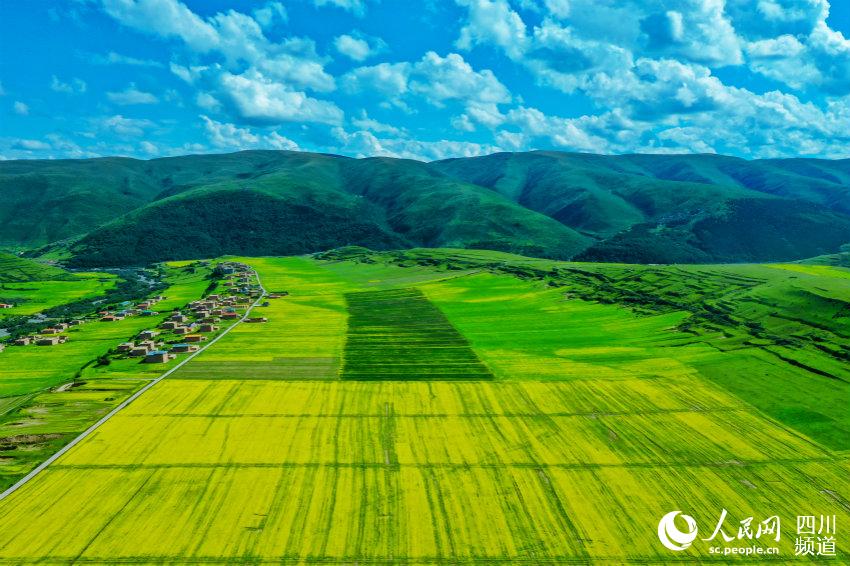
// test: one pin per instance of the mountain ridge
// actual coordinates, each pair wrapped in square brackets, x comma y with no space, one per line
[652,208]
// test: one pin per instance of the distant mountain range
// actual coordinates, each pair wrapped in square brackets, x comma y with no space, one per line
[628,208]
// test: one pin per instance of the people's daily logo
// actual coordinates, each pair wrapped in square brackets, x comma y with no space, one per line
[670,535]
[749,536]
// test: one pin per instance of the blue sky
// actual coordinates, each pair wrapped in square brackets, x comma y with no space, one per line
[425,80]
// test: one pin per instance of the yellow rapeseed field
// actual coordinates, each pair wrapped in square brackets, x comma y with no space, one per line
[293,465]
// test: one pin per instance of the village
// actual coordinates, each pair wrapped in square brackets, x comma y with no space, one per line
[182,332]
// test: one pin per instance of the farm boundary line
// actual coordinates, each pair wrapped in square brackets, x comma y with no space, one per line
[541,414]
[41,467]
[459,465]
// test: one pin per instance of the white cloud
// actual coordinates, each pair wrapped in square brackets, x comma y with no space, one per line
[188,74]
[444,78]
[20,108]
[257,99]
[236,37]
[30,145]
[230,136]
[130,96]
[207,101]
[438,80]
[124,127]
[74,86]
[463,123]
[492,22]
[166,18]
[778,47]
[149,148]
[356,7]
[565,133]
[365,144]
[558,8]
[695,30]
[113,58]
[270,13]
[352,47]
[390,80]
[512,141]
[364,122]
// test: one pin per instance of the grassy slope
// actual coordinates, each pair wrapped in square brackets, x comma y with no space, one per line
[668,209]
[599,422]
[46,201]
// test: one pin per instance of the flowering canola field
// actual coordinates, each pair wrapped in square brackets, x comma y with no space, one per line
[590,425]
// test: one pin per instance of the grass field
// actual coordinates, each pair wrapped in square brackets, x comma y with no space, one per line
[595,419]
[35,296]
[32,287]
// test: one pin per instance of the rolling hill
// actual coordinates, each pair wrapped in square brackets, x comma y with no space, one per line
[629,208]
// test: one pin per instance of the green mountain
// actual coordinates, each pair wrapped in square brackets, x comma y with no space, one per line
[630,208]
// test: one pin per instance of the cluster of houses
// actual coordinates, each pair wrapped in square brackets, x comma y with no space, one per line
[128,309]
[201,317]
[50,336]
[197,319]
[40,340]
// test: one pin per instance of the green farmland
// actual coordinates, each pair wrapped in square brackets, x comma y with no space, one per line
[464,407]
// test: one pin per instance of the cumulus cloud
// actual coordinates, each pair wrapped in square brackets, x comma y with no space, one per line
[356,7]
[630,75]
[20,108]
[237,38]
[230,136]
[271,13]
[390,80]
[695,30]
[166,18]
[364,143]
[124,127]
[364,122]
[434,79]
[74,86]
[492,22]
[30,145]
[257,99]
[357,46]
[131,95]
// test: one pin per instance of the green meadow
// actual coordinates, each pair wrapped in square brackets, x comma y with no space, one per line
[33,287]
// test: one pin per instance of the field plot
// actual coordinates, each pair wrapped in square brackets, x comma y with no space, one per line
[399,334]
[595,423]
[411,473]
